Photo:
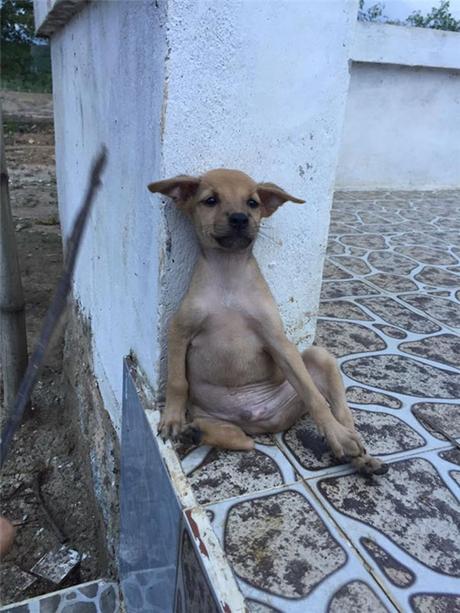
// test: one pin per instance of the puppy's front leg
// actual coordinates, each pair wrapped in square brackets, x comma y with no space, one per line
[344,441]
[173,418]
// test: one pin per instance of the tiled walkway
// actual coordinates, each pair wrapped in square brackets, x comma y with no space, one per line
[305,534]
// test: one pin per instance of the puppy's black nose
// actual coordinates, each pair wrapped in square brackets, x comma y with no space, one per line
[238,220]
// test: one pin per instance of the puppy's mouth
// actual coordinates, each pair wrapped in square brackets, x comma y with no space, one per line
[234,241]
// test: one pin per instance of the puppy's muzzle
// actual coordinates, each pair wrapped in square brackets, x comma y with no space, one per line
[239,235]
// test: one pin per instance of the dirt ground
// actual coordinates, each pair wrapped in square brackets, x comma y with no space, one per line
[43,474]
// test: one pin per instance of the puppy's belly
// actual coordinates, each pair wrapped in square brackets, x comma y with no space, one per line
[245,406]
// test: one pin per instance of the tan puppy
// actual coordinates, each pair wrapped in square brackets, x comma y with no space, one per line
[229,361]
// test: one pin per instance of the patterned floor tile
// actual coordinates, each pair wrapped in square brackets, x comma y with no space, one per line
[352,264]
[361,395]
[437,417]
[437,277]
[342,309]
[331,271]
[395,373]
[435,603]
[405,526]
[388,261]
[344,338]
[397,314]
[427,255]
[93,597]
[217,475]
[356,596]
[365,241]
[288,557]
[392,282]
[443,348]
[334,289]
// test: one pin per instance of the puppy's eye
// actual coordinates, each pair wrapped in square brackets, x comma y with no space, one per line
[211,201]
[252,203]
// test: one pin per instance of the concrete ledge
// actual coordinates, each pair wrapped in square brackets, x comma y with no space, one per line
[51,15]
[389,44]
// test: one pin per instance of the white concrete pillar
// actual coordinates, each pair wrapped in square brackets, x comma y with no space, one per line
[182,86]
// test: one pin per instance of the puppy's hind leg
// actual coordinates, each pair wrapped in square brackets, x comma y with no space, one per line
[216,433]
[325,373]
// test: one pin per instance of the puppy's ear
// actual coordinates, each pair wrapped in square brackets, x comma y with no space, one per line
[180,189]
[273,196]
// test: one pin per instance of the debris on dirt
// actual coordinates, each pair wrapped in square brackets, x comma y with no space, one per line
[57,564]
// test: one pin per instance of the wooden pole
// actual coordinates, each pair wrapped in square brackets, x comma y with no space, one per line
[13,339]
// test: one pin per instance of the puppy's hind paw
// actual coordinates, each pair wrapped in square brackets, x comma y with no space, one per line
[190,436]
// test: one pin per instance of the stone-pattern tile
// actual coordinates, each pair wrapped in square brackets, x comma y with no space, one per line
[343,338]
[288,556]
[356,596]
[225,474]
[361,395]
[94,597]
[444,348]
[438,277]
[388,261]
[435,603]
[273,543]
[391,331]
[342,309]
[218,475]
[392,282]
[334,289]
[405,525]
[437,307]
[395,373]
[397,314]
[451,455]
[352,264]
[331,271]
[427,255]
[397,573]
[437,417]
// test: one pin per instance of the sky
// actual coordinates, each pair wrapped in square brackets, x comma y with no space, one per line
[400,9]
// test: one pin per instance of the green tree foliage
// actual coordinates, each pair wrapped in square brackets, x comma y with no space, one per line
[439,18]
[25,59]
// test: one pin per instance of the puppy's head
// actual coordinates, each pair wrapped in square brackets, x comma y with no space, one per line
[226,206]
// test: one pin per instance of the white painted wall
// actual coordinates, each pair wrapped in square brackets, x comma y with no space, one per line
[189,85]
[108,77]
[402,122]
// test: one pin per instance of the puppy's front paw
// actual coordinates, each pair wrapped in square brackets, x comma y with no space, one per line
[347,446]
[171,424]
[344,442]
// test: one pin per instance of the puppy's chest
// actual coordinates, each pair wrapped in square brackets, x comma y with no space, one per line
[226,345]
